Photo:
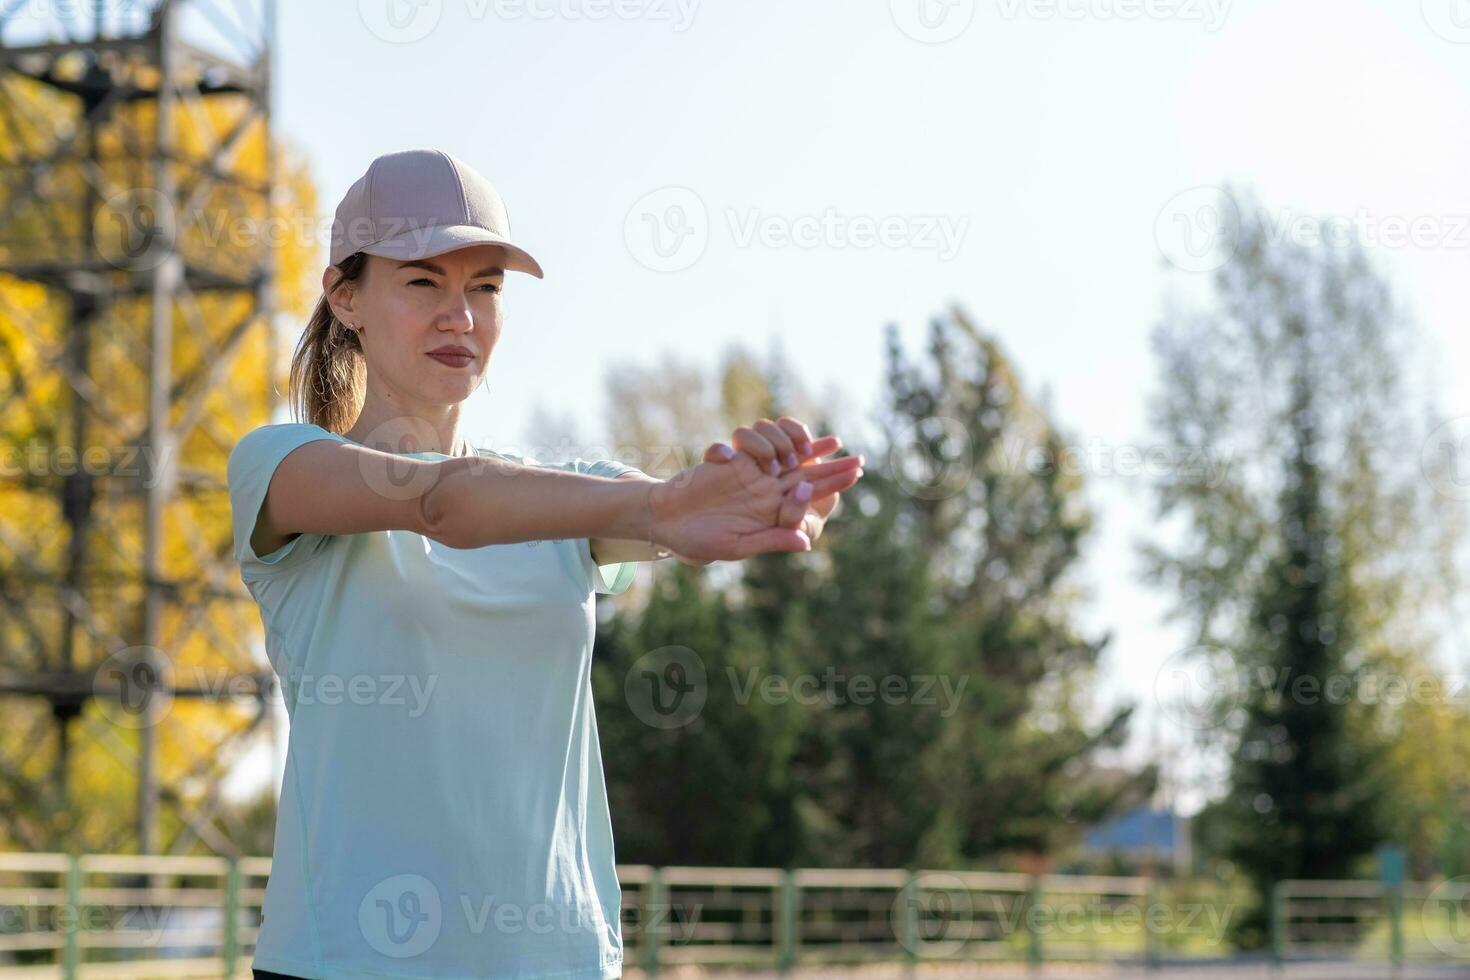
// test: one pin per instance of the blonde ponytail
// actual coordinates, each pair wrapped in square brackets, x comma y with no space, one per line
[328,371]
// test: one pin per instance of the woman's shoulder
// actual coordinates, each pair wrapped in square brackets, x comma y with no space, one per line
[275,439]
[277,430]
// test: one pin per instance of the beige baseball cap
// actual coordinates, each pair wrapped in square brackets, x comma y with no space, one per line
[416,203]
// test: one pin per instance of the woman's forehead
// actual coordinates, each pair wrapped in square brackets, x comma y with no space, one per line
[473,260]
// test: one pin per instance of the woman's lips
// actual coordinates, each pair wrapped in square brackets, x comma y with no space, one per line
[453,360]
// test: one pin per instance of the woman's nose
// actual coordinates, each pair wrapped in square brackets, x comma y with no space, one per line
[458,316]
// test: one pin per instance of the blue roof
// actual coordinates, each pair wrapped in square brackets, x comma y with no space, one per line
[1143,829]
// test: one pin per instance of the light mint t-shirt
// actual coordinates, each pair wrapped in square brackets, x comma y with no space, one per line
[443,812]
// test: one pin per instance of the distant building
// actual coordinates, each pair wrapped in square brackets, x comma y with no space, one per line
[1144,836]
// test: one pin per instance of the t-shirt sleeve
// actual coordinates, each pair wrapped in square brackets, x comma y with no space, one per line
[248,471]
[615,578]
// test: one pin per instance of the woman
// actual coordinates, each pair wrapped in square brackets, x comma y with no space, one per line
[429,609]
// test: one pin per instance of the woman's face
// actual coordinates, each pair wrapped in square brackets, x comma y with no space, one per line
[410,309]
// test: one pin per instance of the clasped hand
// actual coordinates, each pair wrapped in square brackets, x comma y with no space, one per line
[768,490]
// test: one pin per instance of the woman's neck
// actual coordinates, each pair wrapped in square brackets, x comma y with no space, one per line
[404,433]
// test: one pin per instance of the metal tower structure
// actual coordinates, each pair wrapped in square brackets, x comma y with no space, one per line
[135,147]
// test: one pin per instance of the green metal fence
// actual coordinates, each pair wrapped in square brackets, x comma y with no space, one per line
[113,915]
[102,916]
[1395,923]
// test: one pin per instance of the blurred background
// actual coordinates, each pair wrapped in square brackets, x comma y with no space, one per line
[1140,646]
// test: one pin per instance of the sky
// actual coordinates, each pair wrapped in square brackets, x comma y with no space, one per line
[698,174]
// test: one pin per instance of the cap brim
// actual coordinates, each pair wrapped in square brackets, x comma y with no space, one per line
[426,242]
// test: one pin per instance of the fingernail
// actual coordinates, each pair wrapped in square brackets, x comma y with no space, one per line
[803,491]
[775,467]
[806,449]
[791,459]
[726,451]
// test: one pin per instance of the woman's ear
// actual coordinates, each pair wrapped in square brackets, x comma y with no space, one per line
[339,299]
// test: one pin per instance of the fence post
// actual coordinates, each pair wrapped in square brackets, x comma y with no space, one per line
[786,956]
[908,936]
[1278,922]
[1391,873]
[72,941]
[1150,936]
[1033,934]
[231,942]
[1395,894]
[651,902]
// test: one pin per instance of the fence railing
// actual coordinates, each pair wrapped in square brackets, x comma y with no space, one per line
[129,916]
[1395,923]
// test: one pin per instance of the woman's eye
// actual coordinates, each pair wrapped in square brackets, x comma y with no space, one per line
[488,287]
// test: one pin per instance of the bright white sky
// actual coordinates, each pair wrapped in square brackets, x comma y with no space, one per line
[1051,137]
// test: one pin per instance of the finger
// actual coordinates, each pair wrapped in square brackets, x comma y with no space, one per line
[824,505]
[794,507]
[781,439]
[811,472]
[825,488]
[774,539]
[838,483]
[825,446]
[801,436]
[819,513]
[815,450]
[747,440]
[720,452]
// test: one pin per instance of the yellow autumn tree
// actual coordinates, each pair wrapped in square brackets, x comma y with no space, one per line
[76,312]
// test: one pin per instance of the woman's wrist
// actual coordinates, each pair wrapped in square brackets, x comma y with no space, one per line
[657,508]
